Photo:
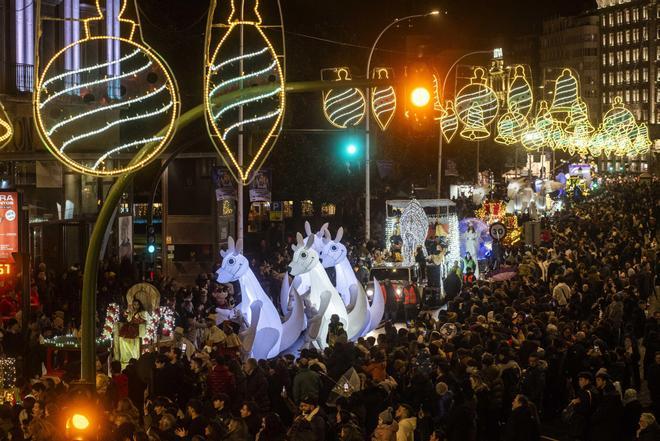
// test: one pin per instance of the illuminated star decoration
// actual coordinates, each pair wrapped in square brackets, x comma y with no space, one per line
[476,106]
[383,100]
[414,226]
[258,116]
[75,113]
[344,107]
[6,129]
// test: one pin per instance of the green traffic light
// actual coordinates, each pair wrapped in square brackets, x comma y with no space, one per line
[351,149]
[151,248]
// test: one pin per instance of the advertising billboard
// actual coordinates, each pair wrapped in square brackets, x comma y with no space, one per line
[9,213]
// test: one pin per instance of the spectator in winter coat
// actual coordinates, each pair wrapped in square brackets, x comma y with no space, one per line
[387,428]
[407,423]
[256,385]
[221,380]
[523,424]
[649,430]
[606,418]
[632,410]
[306,383]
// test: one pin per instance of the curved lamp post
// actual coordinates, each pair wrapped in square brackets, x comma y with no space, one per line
[367,199]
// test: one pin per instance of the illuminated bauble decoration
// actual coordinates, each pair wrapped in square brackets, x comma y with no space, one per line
[475,129]
[86,111]
[510,127]
[477,100]
[567,92]
[258,117]
[618,120]
[383,100]
[344,107]
[414,226]
[538,135]
[6,129]
[520,97]
[449,122]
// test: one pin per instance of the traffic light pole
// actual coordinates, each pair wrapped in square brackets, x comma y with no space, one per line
[93,256]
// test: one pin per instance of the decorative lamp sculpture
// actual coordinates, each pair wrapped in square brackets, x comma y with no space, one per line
[344,107]
[414,226]
[383,99]
[477,106]
[136,81]
[258,116]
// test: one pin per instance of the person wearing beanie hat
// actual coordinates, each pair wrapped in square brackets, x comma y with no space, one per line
[387,427]
[632,410]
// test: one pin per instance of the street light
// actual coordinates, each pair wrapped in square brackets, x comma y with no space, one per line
[367,199]
[441,99]
[420,96]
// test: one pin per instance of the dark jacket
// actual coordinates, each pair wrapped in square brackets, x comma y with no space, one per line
[221,381]
[256,389]
[606,418]
[522,425]
[651,433]
[631,413]
[306,383]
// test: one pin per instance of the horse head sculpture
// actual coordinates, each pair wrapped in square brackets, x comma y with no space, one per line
[234,263]
[304,256]
[333,251]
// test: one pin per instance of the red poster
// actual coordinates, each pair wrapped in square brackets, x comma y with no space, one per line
[9,211]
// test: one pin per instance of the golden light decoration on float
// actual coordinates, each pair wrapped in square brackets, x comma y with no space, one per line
[78,111]
[448,122]
[228,69]
[383,99]
[566,93]
[6,129]
[477,106]
[344,106]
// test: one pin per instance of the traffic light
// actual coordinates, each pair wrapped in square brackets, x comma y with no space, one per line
[151,240]
[420,96]
[351,150]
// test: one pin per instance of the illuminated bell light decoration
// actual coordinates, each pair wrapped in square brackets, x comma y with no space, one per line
[74,113]
[618,120]
[383,100]
[259,118]
[475,128]
[448,122]
[414,226]
[578,118]
[477,106]
[567,92]
[539,133]
[520,97]
[6,129]
[642,142]
[344,107]
[510,127]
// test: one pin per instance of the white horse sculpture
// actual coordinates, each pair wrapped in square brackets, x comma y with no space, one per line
[269,330]
[301,282]
[306,261]
[334,254]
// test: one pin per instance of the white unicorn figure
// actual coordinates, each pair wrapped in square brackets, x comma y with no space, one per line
[334,254]
[301,282]
[306,261]
[269,329]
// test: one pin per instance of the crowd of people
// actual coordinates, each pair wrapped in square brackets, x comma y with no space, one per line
[569,345]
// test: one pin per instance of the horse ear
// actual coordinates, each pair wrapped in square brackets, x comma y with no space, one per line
[308,229]
[327,237]
[324,227]
[299,239]
[340,234]
[294,247]
[310,241]
[239,246]
[230,244]
[223,253]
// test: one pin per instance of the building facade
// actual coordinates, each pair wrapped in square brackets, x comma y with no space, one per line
[572,42]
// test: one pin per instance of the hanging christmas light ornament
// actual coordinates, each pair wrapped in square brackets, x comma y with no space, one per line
[578,119]
[510,127]
[449,122]
[6,129]
[477,106]
[383,99]
[344,107]
[567,92]
[84,111]
[520,97]
[642,142]
[239,55]
[539,134]
[618,121]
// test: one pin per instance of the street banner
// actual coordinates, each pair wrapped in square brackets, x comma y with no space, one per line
[9,212]
[225,186]
[260,187]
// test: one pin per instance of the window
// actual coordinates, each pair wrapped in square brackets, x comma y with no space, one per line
[619,77]
[635,15]
[287,207]
[328,209]
[113,47]
[627,96]
[627,55]
[627,77]
[604,43]
[603,20]
[604,79]
[645,13]
[604,99]
[645,54]
[645,75]
[635,96]
[307,208]
[619,37]
[627,36]
[627,15]
[635,55]
[645,96]
[611,58]
[604,60]
[611,19]
[645,34]
[635,76]
[619,17]
[24,36]
[612,83]
[635,35]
